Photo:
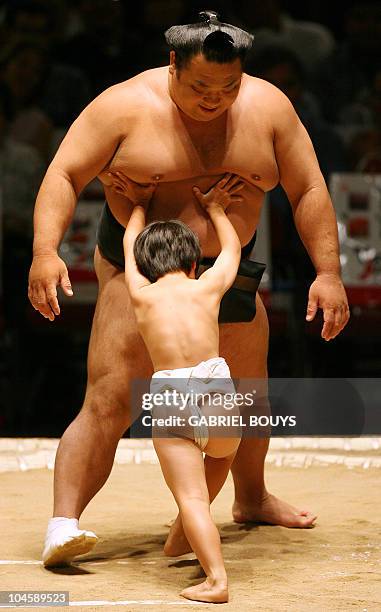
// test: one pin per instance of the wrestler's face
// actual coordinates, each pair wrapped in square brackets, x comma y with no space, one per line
[204,90]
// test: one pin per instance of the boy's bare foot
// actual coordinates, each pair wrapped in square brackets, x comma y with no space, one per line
[216,592]
[177,543]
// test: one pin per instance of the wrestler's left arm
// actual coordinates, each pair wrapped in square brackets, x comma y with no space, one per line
[314,216]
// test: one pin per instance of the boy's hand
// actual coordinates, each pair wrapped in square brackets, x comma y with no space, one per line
[138,193]
[222,194]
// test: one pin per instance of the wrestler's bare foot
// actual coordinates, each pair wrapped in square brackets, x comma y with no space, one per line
[272,510]
[177,543]
[209,591]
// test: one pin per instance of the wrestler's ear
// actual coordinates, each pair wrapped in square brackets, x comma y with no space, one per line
[172,62]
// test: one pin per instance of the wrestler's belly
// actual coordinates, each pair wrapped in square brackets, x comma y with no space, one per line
[175,200]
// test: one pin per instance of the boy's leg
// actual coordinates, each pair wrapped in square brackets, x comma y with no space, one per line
[186,480]
[216,472]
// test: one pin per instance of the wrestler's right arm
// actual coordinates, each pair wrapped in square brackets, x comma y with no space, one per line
[86,149]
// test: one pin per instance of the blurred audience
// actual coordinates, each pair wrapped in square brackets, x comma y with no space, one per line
[272,25]
[21,73]
[351,68]
[22,169]
[365,108]
[21,172]
[101,41]
[156,16]
[38,19]
[360,124]
[32,33]
[282,68]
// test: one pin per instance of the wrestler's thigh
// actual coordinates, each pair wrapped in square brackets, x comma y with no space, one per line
[117,353]
[245,345]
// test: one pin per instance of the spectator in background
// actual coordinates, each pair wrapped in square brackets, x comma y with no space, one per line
[22,72]
[21,172]
[365,110]
[360,123]
[281,67]
[30,18]
[311,42]
[102,44]
[351,68]
[154,17]
[62,91]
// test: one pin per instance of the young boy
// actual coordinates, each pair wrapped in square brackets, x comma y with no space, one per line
[177,316]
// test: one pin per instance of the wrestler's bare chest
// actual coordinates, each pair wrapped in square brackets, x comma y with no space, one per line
[164,146]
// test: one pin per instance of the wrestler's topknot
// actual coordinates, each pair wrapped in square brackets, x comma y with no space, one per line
[218,42]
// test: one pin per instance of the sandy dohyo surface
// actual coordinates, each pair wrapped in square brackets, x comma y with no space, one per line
[336,566]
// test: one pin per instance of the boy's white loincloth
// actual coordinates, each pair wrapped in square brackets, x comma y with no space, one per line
[208,377]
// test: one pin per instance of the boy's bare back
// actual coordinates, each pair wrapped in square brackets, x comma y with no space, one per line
[178,320]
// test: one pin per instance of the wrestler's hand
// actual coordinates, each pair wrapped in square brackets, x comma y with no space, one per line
[222,194]
[327,292]
[139,193]
[46,273]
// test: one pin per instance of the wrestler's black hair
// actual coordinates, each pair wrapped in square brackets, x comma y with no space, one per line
[218,42]
[166,246]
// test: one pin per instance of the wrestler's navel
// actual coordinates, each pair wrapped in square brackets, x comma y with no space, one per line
[256,177]
[157,177]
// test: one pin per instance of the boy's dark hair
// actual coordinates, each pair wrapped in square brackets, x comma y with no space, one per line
[218,42]
[166,246]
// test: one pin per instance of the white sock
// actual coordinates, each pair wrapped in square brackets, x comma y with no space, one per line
[61,523]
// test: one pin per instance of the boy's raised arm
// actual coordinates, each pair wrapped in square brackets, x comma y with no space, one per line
[142,195]
[222,274]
